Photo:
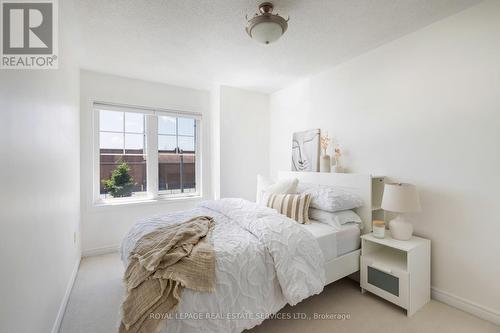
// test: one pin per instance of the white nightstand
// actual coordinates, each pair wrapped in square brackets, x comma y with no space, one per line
[398,271]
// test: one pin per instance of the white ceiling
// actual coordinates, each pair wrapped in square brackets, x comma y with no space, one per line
[198,43]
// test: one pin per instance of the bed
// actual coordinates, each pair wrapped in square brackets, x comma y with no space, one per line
[263,259]
[360,184]
[335,242]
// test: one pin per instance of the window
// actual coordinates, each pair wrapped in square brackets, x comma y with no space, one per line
[144,154]
[121,143]
[176,155]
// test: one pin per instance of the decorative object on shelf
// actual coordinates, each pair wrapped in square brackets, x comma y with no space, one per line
[266,27]
[305,151]
[337,153]
[325,162]
[400,198]
[378,229]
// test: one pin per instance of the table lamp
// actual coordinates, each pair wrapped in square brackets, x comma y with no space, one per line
[400,198]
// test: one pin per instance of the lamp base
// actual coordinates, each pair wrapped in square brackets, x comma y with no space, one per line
[401,229]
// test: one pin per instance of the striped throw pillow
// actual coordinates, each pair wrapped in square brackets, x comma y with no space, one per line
[294,206]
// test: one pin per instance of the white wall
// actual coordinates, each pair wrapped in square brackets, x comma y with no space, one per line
[215,141]
[39,181]
[244,141]
[103,228]
[424,109]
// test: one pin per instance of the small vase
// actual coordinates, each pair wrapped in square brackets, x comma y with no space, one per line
[337,168]
[324,165]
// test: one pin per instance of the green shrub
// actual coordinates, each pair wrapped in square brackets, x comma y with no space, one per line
[121,183]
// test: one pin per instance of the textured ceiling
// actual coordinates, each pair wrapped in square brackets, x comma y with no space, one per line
[197,43]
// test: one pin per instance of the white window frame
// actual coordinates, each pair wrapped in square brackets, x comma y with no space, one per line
[151,152]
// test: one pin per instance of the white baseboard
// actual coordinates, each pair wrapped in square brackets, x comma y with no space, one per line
[64,303]
[100,250]
[466,305]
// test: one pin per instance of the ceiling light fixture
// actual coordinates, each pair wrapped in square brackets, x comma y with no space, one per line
[266,27]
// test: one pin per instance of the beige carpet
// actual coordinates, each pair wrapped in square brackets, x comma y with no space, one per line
[97,294]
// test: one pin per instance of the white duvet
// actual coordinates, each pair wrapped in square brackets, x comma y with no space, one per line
[263,261]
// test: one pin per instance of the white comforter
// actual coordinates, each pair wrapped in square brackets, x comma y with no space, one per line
[263,261]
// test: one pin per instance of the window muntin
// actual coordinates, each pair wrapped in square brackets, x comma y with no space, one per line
[176,155]
[122,140]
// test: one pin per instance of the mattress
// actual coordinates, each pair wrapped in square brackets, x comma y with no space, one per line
[335,242]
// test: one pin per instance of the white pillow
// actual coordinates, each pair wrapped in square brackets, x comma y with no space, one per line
[266,187]
[330,198]
[335,219]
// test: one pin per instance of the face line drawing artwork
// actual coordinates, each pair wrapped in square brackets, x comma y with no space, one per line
[305,150]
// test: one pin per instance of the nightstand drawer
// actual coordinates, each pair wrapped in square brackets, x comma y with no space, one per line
[385,281]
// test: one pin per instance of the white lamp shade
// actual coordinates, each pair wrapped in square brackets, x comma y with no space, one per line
[266,32]
[400,198]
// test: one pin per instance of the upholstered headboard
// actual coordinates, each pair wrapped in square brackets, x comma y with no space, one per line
[355,183]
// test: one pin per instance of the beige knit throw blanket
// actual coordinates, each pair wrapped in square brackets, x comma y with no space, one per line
[162,263]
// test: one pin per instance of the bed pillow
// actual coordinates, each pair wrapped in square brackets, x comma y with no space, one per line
[335,219]
[330,198]
[266,187]
[294,206]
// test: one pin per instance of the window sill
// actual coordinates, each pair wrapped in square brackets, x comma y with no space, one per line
[145,201]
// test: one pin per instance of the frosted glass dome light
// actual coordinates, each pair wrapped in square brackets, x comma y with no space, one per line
[266,27]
